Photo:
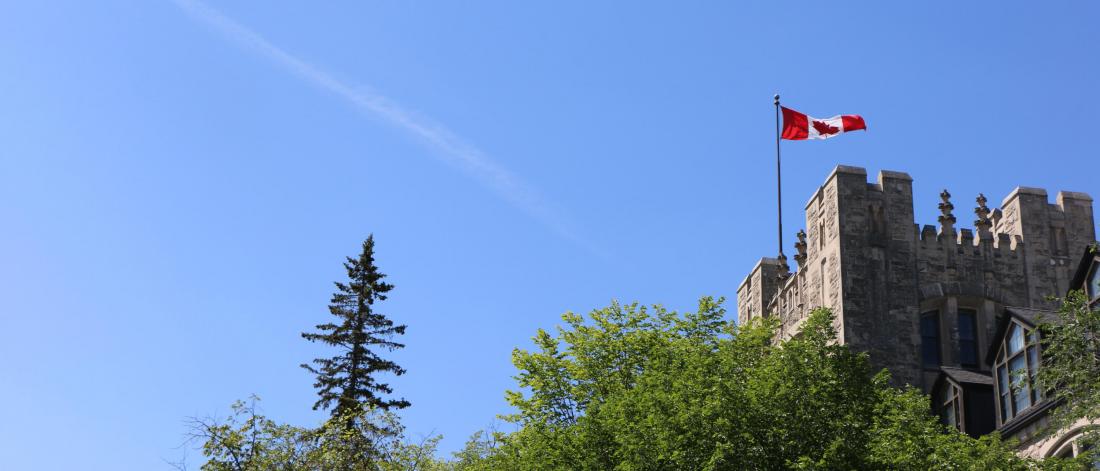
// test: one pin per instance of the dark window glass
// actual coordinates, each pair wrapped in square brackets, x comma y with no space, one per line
[1083,449]
[1017,366]
[952,406]
[968,339]
[930,338]
[950,415]
[1015,339]
[1033,367]
[1021,394]
[1094,283]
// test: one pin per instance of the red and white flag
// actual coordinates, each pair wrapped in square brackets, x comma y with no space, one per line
[798,126]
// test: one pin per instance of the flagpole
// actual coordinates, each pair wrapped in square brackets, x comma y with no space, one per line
[778,181]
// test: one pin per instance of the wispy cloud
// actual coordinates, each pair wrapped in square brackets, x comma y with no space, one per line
[449,146]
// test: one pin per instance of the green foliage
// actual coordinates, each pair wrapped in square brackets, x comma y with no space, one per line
[249,441]
[637,388]
[905,436]
[478,454]
[1070,370]
[348,380]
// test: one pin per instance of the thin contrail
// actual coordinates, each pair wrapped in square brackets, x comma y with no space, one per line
[452,149]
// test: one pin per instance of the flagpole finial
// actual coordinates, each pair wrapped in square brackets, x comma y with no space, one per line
[777,98]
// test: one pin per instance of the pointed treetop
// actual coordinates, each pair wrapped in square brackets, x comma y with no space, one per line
[351,380]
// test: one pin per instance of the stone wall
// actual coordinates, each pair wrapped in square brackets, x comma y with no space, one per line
[1036,441]
[1054,236]
[758,288]
[863,255]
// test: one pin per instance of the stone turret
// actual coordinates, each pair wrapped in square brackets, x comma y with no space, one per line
[1052,234]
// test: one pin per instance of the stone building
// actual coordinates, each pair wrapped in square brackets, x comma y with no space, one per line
[929,303]
[1020,408]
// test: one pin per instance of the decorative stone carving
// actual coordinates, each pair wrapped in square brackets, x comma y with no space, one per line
[800,248]
[784,268]
[983,225]
[947,220]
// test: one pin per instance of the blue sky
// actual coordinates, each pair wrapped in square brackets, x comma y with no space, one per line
[179,182]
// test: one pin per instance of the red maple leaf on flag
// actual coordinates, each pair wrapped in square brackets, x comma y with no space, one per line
[824,129]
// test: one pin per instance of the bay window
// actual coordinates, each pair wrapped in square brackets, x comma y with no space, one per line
[1016,366]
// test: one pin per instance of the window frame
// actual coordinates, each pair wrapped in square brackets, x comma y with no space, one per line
[973,340]
[1008,383]
[1094,275]
[952,398]
[924,337]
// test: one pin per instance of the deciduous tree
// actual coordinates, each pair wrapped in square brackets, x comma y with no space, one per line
[636,388]
[1069,370]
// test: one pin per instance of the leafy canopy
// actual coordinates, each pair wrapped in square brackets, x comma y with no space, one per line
[1070,368]
[637,388]
[249,441]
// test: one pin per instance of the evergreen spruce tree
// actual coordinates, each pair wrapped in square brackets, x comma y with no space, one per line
[347,382]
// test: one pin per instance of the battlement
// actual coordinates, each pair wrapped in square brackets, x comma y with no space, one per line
[863,255]
[1000,245]
[850,171]
[996,231]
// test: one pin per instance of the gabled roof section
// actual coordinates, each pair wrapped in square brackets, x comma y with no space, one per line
[1083,266]
[1030,316]
[962,376]
[1027,316]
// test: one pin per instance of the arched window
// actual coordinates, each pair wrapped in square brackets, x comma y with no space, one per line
[1072,448]
[1016,365]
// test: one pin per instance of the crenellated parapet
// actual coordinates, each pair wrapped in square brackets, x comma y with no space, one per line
[863,255]
[966,241]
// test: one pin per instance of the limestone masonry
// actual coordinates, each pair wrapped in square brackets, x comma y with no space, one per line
[863,255]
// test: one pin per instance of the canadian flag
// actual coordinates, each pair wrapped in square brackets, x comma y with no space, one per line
[798,126]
